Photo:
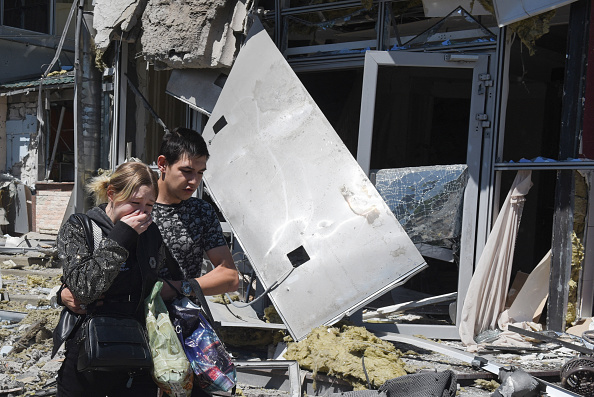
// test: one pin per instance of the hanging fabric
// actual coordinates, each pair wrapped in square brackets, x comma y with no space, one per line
[487,291]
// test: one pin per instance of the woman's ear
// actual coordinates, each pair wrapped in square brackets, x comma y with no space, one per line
[110,193]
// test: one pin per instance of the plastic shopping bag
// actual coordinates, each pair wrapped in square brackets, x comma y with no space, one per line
[171,369]
[213,367]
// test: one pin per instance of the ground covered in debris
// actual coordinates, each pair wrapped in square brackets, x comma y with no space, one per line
[26,367]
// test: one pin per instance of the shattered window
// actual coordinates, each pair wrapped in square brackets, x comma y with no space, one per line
[332,26]
[459,27]
[27,14]
[426,200]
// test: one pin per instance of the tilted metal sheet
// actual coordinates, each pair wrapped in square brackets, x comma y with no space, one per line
[283,180]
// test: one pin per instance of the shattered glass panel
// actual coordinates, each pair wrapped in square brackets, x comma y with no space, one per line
[458,28]
[426,200]
[332,26]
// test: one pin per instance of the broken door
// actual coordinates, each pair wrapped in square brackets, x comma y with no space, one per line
[317,232]
[421,109]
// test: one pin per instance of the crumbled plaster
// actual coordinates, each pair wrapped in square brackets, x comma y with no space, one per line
[110,16]
[201,34]
[16,111]
[27,169]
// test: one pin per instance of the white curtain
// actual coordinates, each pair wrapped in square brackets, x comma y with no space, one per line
[532,297]
[487,292]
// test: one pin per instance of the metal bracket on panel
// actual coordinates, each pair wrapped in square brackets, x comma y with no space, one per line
[460,58]
[479,362]
[298,256]
[107,83]
[484,119]
[486,78]
[219,125]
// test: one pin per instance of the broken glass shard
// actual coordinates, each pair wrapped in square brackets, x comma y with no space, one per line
[426,200]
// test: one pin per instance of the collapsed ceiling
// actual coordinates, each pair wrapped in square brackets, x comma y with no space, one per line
[174,35]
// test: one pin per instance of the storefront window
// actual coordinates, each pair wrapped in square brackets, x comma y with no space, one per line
[27,14]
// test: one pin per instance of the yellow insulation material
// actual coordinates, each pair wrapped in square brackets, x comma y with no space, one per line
[339,351]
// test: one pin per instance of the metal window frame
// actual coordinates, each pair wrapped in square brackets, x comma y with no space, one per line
[327,62]
[51,27]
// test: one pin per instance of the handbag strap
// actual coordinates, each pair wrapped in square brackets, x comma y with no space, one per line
[88,226]
[176,272]
[93,237]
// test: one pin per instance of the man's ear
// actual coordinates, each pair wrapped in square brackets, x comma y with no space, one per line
[162,163]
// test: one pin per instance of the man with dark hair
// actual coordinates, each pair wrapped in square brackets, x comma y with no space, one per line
[189,225]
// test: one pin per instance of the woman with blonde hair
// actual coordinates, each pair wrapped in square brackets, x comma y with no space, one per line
[110,276]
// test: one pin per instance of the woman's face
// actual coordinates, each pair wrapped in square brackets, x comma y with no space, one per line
[141,200]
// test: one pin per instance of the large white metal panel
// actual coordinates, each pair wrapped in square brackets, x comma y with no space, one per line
[284,180]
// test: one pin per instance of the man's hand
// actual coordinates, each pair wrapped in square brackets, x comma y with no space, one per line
[71,302]
[168,293]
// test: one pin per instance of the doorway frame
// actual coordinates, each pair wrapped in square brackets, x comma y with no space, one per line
[479,149]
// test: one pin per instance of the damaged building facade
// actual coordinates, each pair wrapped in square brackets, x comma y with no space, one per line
[453,97]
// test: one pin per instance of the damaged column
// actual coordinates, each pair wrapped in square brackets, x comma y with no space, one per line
[87,105]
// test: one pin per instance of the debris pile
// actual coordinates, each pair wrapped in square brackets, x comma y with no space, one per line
[349,353]
[346,353]
[25,347]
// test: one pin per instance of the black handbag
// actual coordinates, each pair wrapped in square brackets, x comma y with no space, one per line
[111,343]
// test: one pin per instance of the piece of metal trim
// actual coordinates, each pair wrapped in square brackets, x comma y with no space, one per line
[17,250]
[292,368]
[8,315]
[490,366]
[29,90]
[546,338]
[262,325]
[553,165]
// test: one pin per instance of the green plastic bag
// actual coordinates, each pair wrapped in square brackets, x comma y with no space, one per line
[171,369]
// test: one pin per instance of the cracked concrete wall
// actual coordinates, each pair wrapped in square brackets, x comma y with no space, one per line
[192,34]
[21,133]
[175,34]
[115,16]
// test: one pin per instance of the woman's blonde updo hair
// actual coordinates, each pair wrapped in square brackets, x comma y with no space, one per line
[124,181]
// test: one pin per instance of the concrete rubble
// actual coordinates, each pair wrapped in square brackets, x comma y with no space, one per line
[174,34]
